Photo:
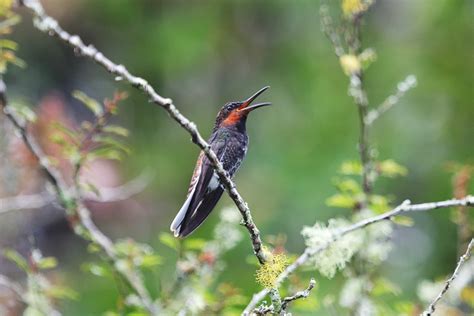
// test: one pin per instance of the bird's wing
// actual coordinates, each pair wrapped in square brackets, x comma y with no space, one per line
[204,193]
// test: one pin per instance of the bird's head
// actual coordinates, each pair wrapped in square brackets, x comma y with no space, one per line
[235,113]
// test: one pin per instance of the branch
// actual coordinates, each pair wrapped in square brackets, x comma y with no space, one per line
[73,205]
[50,26]
[327,26]
[402,87]
[432,307]
[405,207]
[107,195]
[299,295]
[12,286]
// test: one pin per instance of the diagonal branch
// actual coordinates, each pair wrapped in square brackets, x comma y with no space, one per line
[50,26]
[405,207]
[73,205]
[432,307]
[402,87]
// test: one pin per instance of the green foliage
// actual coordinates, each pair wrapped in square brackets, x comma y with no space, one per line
[93,105]
[8,47]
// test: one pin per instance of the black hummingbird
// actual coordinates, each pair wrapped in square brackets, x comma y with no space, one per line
[229,142]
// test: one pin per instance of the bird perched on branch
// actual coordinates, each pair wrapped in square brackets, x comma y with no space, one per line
[229,142]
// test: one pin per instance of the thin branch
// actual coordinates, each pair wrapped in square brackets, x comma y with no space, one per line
[12,286]
[25,202]
[299,295]
[432,307]
[405,207]
[50,26]
[106,195]
[73,204]
[402,87]
[327,26]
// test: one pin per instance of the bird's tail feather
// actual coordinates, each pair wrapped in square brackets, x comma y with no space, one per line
[194,218]
[178,220]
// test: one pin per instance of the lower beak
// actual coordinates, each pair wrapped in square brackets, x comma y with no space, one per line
[246,104]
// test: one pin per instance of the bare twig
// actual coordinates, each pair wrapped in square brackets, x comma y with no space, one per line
[73,204]
[327,26]
[25,201]
[405,207]
[50,26]
[402,87]
[12,286]
[432,307]
[299,295]
[106,195]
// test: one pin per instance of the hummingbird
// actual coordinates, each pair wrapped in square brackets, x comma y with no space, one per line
[229,141]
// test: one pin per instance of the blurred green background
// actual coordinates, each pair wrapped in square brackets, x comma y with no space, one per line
[205,53]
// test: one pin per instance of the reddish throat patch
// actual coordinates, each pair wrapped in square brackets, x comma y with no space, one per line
[233,118]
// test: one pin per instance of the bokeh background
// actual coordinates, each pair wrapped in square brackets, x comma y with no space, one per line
[205,53]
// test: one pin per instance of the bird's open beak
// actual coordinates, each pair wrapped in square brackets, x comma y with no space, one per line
[246,104]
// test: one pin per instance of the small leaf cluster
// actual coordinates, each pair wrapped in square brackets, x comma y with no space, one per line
[40,294]
[8,48]
[350,194]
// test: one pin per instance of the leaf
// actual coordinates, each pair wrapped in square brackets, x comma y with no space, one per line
[341,200]
[348,186]
[47,263]
[404,221]
[168,240]
[389,168]
[194,244]
[61,292]
[384,286]
[379,203]
[351,167]
[149,261]
[90,103]
[105,152]
[97,269]
[117,130]
[111,142]
[16,258]
[89,187]
[24,112]
[5,43]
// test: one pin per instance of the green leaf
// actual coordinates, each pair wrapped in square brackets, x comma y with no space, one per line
[61,292]
[16,258]
[404,221]
[111,142]
[47,263]
[93,248]
[117,130]
[389,168]
[341,200]
[97,269]
[348,186]
[194,244]
[170,241]
[148,261]
[351,167]
[89,187]
[90,103]
[24,112]
[5,43]
[105,152]
[384,286]
[379,203]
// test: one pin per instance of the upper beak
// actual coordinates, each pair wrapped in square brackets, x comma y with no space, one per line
[246,104]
